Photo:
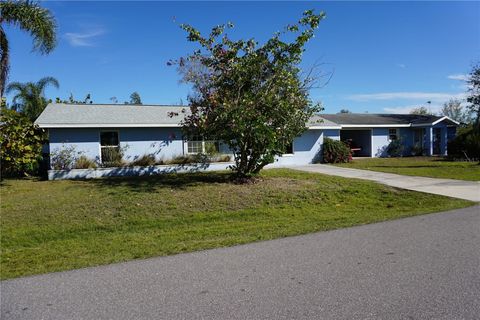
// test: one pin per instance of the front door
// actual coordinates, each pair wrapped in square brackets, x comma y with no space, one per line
[437,138]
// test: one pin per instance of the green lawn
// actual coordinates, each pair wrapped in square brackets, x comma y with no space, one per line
[419,166]
[60,225]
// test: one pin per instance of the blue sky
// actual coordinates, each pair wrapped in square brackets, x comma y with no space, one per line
[385,56]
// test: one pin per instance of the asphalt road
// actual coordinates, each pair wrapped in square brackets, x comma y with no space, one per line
[426,267]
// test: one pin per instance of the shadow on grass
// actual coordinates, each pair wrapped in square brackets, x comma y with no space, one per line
[5,180]
[154,183]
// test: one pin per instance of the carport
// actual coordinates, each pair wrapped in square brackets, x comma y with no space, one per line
[359,140]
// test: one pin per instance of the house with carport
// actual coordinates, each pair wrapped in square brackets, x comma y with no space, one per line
[94,129]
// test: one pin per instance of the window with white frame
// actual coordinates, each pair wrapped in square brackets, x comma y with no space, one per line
[392,134]
[199,145]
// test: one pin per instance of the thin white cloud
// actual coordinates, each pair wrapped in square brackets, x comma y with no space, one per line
[401,65]
[458,76]
[423,96]
[83,39]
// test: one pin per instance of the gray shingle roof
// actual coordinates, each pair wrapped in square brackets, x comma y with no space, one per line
[107,115]
[379,119]
[320,121]
[119,115]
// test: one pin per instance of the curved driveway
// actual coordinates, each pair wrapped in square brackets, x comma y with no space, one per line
[468,190]
[424,267]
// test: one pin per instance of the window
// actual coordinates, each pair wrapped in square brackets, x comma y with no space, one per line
[289,149]
[110,147]
[109,139]
[195,146]
[392,134]
[199,145]
[418,137]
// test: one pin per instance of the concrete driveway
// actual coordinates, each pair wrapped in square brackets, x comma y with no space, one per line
[425,267]
[468,190]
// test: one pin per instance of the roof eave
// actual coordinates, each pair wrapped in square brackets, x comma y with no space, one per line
[375,125]
[323,127]
[445,118]
[106,125]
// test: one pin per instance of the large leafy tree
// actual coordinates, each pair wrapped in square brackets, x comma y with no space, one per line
[20,143]
[29,97]
[473,97]
[250,96]
[30,17]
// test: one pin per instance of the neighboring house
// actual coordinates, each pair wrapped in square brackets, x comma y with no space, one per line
[139,130]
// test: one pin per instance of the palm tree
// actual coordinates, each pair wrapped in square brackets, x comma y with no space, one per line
[30,17]
[29,98]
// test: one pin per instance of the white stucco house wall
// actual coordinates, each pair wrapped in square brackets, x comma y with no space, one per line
[151,130]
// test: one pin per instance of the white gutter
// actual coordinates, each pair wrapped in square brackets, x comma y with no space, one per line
[107,125]
[324,127]
[375,125]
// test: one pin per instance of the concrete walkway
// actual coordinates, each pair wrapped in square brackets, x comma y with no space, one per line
[424,267]
[468,190]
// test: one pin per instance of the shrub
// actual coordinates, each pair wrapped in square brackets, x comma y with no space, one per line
[335,151]
[144,161]
[466,145]
[193,158]
[21,144]
[211,148]
[64,158]
[112,157]
[84,163]
[395,148]
[417,150]
[222,158]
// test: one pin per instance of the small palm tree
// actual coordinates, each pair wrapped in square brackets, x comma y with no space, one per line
[29,98]
[30,17]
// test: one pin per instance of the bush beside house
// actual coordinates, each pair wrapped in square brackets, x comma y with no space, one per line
[68,158]
[466,144]
[21,144]
[335,151]
[395,148]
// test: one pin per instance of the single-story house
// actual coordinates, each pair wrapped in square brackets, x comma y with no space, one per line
[94,129]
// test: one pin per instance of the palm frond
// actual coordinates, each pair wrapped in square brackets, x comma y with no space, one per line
[30,17]
[15,101]
[29,98]
[16,86]
[4,61]
[45,81]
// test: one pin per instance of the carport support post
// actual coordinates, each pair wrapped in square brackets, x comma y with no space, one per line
[429,146]
[444,140]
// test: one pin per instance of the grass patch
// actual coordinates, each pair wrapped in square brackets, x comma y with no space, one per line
[59,225]
[420,166]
